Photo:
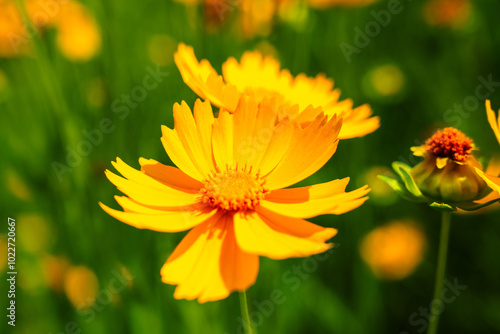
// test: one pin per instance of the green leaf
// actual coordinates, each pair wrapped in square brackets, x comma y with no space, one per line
[443,206]
[404,171]
[398,187]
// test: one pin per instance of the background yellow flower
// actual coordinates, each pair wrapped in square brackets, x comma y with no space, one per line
[261,77]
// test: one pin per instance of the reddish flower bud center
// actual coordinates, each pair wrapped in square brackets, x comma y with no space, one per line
[450,143]
[234,190]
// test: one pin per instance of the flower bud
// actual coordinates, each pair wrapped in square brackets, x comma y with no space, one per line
[447,173]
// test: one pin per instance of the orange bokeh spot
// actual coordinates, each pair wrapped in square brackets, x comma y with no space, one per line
[395,250]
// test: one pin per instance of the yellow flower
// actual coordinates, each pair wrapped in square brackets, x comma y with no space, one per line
[228,191]
[491,177]
[262,77]
[395,250]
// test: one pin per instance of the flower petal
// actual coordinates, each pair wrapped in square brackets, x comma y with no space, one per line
[208,264]
[334,204]
[204,80]
[494,123]
[357,122]
[184,183]
[256,73]
[222,140]
[204,118]
[170,221]
[168,175]
[308,150]
[176,152]
[302,194]
[158,195]
[244,119]
[187,131]
[261,136]
[282,134]
[262,76]
[492,181]
[279,237]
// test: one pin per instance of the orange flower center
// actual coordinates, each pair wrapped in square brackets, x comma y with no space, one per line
[234,190]
[450,143]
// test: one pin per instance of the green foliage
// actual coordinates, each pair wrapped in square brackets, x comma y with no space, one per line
[50,107]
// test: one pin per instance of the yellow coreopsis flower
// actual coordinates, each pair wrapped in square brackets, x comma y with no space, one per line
[228,191]
[491,178]
[262,77]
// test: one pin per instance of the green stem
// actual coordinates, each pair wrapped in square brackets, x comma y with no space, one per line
[244,312]
[441,269]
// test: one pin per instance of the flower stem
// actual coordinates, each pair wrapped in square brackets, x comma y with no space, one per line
[441,269]
[244,312]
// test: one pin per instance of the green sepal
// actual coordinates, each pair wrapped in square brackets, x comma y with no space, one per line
[404,171]
[443,207]
[399,188]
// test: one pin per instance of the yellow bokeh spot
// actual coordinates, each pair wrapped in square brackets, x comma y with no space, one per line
[267,49]
[16,185]
[96,92]
[40,14]
[387,80]
[3,81]
[31,279]
[395,250]
[12,36]
[324,4]
[161,49]
[452,13]
[81,286]
[79,37]
[3,252]
[256,17]
[294,12]
[33,233]
[54,270]
[128,276]
[381,192]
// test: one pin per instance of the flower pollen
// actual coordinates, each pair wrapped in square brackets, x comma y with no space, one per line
[234,190]
[450,143]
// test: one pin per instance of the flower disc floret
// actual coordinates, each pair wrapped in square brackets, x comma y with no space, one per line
[450,143]
[234,190]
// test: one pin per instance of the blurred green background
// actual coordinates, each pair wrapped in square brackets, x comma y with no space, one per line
[415,72]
